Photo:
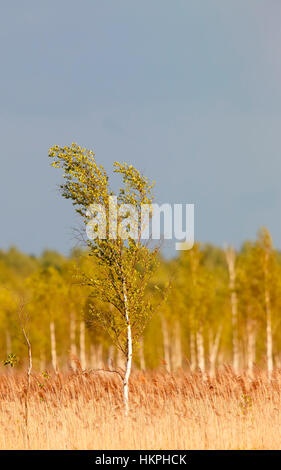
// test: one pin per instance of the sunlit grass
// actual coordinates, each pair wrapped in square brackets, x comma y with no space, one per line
[182,411]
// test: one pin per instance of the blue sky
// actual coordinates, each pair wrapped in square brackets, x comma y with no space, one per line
[186,90]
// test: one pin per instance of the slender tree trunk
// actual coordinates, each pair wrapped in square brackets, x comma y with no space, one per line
[129,353]
[269,353]
[73,348]
[201,351]
[177,350]
[166,344]
[192,348]
[230,259]
[251,347]
[53,346]
[269,356]
[141,355]
[82,345]
[235,341]
[214,348]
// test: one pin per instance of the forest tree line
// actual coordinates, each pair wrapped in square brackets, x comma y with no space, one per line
[212,306]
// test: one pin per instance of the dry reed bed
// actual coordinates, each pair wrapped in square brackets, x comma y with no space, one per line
[180,411]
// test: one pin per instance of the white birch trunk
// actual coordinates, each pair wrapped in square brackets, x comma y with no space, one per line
[166,344]
[53,346]
[230,259]
[82,345]
[269,353]
[269,356]
[73,348]
[201,351]
[214,348]
[177,350]
[251,347]
[192,347]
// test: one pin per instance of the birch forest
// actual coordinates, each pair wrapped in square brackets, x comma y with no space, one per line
[214,306]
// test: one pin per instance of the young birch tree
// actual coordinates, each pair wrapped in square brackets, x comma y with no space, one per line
[270,288]
[259,294]
[196,286]
[230,259]
[49,291]
[250,300]
[125,264]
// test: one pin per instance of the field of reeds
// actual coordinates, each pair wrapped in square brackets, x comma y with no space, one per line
[180,411]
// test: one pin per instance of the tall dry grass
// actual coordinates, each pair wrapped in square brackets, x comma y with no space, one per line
[181,411]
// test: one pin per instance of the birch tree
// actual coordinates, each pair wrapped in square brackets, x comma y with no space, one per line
[75,306]
[230,259]
[250,300]
[125,263]
[48,302]
[270,288]
[259,294]
[196,286]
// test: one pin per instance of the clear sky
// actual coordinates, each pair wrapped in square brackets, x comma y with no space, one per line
[189,91]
